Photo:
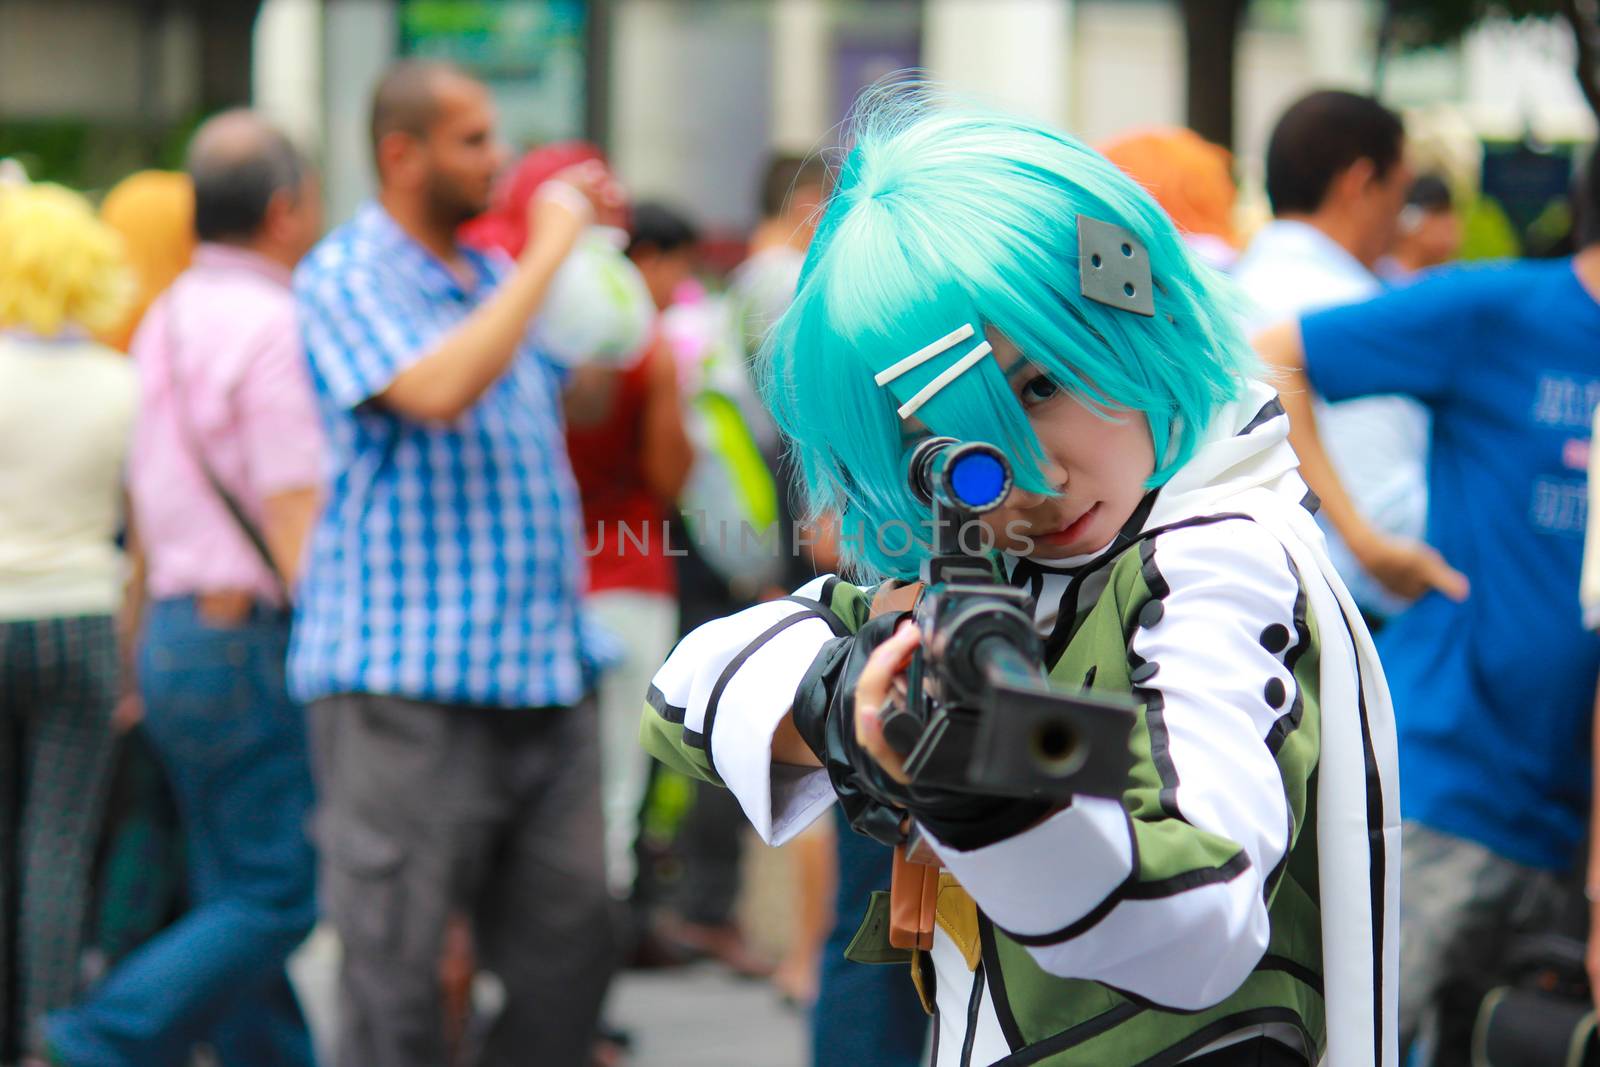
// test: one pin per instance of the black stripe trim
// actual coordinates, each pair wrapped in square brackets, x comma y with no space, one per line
[1289,721]
[1195,879]
[1129,534]
[1133,529]
[1153,578]
[1298,971]
[739,661]
[823,612]
[1222,1028]
[1269,411]
[1274,876]
[1150,1005]
[695,739]
[990,950]
[1072,1037]
[1311,502]
[1155,721]
[1379,862]
[828,586]
[974,1002]
[670,712]
[1074,930]
[1160,743]
[1089,921]
[1059,637]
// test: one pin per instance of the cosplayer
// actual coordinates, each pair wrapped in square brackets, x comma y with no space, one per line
[985,278]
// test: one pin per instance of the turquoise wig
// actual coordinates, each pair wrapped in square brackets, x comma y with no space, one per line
[944,215]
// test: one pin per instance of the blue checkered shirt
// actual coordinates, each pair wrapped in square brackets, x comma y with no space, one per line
[447,564]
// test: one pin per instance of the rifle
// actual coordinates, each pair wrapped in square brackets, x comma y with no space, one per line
[981,715]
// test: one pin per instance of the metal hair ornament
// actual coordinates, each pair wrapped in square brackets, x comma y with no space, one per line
[1114,268]
[945,377]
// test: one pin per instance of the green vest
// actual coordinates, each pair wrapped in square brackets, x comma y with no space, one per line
[1078,1023]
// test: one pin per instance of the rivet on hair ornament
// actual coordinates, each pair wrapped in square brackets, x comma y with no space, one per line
[945,377]
[1114,268]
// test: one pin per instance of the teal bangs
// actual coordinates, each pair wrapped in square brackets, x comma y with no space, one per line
[944,216]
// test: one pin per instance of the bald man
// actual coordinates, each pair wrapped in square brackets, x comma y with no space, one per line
[439,641]
[223,478]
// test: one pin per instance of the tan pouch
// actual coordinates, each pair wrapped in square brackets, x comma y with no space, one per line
[913,902]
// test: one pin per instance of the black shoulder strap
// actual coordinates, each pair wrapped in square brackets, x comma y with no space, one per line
[192,438]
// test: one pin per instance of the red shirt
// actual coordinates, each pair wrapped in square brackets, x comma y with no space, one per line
[625,522]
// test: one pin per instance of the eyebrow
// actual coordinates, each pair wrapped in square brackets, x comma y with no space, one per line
[907,435]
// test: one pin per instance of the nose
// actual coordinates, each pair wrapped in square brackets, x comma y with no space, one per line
[1055,476]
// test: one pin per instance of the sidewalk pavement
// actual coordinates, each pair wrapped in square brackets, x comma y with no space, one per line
[696,1016]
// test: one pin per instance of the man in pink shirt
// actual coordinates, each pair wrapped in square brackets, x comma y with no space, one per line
[223,477]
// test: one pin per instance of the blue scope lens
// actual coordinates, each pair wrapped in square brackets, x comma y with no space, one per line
[978,479]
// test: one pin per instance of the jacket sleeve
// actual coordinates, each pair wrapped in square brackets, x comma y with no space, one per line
[713,707]
[1165,894]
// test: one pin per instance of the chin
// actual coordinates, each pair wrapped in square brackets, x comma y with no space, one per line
[1044,550]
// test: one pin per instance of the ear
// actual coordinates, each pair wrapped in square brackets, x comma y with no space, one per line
[1354,181]
[280,211]
[396,152]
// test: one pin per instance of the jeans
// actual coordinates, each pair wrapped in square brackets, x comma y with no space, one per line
[219,717]
[867,1015]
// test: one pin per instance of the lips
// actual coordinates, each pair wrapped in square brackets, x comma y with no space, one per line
[1074,531]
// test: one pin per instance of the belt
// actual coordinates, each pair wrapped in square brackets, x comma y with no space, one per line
[226,607]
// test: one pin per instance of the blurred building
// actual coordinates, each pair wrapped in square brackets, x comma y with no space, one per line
[688,96]
[93,89]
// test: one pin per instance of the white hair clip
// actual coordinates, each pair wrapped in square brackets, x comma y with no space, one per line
[945,377]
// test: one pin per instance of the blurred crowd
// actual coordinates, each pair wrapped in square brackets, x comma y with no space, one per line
[336,561]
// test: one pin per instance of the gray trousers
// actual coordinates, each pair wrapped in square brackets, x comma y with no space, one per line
[1460,907]
[429,809]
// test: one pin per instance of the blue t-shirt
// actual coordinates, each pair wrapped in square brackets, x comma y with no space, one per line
[1493,696]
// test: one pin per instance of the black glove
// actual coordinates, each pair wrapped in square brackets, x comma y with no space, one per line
[874,803]
[824,699]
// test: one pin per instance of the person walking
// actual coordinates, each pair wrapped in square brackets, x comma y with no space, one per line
[223,480]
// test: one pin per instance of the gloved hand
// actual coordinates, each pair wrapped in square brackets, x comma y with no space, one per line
[875,800]
[824,716]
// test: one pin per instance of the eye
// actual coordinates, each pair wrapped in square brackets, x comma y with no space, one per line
[1037,390]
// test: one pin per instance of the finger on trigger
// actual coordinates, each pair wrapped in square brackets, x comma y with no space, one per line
[873,683]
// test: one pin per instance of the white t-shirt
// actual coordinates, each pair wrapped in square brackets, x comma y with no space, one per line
[66,418]
[1378,445]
